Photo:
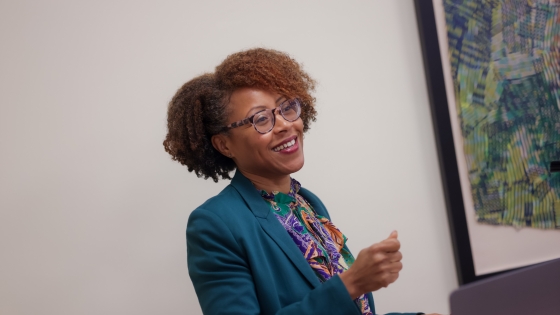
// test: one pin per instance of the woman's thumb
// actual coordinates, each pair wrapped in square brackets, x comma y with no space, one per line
[394,234]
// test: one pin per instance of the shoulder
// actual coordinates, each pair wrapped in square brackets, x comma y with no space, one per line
[228,196]
[226,210]
[222,205]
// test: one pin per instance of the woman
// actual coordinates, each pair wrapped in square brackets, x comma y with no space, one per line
[265,245]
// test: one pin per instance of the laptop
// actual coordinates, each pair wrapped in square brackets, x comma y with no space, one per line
[533,290]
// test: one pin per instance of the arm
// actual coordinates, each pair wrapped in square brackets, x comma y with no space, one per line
[369,253]
[223,280]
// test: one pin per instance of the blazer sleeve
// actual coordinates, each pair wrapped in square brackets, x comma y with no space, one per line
[223,281]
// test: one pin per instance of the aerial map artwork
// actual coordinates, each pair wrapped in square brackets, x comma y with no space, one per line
[505,64]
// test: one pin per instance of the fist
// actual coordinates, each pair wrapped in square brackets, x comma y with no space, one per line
[376,267]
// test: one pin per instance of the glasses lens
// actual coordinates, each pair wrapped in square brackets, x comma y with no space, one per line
[263,121]
[291,109]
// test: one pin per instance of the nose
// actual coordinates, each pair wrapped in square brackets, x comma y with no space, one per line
[280,123]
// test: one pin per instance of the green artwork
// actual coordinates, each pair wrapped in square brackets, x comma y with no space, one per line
[505,63]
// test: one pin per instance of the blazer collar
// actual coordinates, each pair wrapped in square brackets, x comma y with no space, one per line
[250,194]
[271,226]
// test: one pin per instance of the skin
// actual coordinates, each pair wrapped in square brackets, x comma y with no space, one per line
[253,152]
[376,266]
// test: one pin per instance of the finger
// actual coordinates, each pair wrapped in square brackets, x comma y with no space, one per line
[395,256]
[393,276]
[394,234]
[395,267]
[389,245]
[390,278]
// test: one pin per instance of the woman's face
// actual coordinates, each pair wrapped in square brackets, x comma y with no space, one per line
[260,154]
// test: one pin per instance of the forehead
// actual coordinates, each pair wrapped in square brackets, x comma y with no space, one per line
[246,100]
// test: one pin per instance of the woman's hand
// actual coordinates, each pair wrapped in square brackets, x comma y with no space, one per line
[375,267]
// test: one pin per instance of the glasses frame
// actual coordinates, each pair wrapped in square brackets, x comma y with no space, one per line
[250,118]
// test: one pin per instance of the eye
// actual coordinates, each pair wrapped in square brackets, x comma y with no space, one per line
[289,105]
[260,119]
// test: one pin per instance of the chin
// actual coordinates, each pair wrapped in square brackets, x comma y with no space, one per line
[296,166]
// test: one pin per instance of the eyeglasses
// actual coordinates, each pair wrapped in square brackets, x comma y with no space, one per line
[264,120]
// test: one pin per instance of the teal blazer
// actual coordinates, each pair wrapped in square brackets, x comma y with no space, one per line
[242,261]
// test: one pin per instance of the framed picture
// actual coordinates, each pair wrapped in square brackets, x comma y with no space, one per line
[493,76]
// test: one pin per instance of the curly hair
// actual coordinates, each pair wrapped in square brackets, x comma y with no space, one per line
[199,108]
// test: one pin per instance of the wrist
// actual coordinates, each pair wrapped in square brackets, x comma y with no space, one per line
[350,284]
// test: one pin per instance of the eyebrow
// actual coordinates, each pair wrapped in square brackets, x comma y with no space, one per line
[252,110]
[262,107]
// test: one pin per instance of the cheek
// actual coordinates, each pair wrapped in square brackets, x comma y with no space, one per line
[263,141]
[298,124]
[253,142]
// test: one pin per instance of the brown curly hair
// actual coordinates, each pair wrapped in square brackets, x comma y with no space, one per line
[199,108]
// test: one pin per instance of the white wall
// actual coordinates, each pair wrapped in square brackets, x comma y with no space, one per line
[93,211]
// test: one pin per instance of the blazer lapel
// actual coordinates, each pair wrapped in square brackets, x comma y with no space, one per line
[272,227]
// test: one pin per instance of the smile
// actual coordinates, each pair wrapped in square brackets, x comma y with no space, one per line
[285,145]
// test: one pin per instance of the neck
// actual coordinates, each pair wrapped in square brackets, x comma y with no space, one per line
[269,184]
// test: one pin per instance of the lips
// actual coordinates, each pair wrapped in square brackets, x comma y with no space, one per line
[285,144]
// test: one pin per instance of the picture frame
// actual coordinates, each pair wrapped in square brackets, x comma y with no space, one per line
[444,141]
[454,186]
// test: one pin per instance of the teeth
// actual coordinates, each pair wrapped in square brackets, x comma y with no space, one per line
[285,145]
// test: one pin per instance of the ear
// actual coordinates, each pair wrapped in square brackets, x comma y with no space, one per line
[221,143]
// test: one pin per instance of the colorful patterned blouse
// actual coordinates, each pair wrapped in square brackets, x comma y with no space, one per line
[320,242]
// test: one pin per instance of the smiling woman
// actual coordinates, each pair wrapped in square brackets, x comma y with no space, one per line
[275,149]
[265,245]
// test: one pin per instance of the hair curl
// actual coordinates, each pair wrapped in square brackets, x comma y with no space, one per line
[199,108]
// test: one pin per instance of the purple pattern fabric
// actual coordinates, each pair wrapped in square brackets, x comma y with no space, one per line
[320,242]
